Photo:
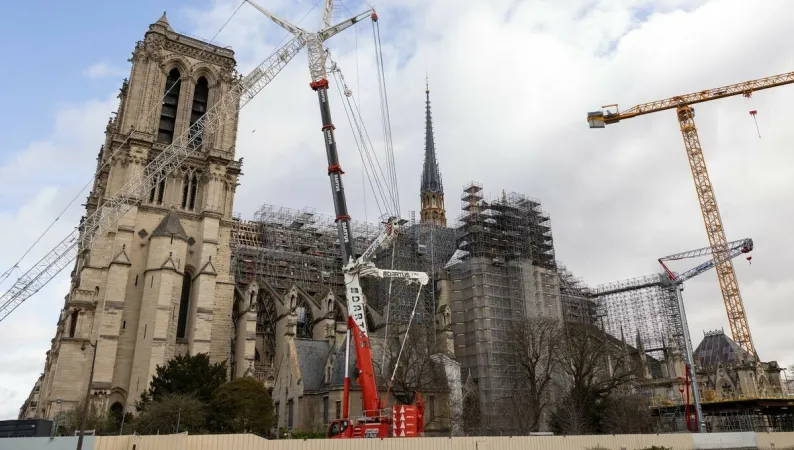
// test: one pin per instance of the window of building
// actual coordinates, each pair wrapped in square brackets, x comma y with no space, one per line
[189,191]
[338,410]
[184,303]
[165,132]
[73,323]
[432,407]
[290,413]
[157,194]
[325,410]
[200,99]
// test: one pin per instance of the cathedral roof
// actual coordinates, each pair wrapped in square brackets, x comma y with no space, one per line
[717,348]
[312,356]
[170,226]
[431,175]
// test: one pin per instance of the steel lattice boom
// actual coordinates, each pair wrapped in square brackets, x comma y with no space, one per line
[109,213]
[726,275]
[734,249]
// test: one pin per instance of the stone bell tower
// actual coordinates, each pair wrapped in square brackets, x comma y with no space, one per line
[157,284]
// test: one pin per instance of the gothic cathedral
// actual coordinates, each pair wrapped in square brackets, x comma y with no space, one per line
[158,283]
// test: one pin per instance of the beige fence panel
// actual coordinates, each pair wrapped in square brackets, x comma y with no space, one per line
[775,441]
[250,442]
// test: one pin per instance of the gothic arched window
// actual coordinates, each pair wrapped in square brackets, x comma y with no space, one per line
[305,321]
[165,132]
[116,412]
[200,99]
[157,194]
[73,323]
[189,191]
[184,303]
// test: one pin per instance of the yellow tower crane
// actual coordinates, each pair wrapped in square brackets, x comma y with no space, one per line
[737,318]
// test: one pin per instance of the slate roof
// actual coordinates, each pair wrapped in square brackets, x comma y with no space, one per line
[312,356]
[717,348]
[170,226]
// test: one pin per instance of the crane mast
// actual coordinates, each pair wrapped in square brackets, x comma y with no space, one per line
[726,275]
[375,424]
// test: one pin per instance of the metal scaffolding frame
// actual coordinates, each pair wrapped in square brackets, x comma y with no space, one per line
[578,305]
[286,246]
[503,271]
[420,247]
[644,307]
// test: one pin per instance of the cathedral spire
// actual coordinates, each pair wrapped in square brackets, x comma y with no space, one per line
[432,189]
[431,176]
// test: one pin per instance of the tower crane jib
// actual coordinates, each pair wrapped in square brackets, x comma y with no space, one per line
[715,231]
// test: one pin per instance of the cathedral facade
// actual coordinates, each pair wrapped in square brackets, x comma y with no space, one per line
[157,284]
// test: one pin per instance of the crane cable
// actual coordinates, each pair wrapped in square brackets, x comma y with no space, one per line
[385,116]
[402,346]
[111,158]
[372,166]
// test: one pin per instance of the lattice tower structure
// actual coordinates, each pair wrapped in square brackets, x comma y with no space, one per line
[644,307]
[420,247]
[576,298]
[504,271]
[286,246]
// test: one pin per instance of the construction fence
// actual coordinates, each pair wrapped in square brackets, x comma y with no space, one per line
[680,441]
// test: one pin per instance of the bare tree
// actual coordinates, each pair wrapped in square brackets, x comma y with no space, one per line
[597,365]
[533,354]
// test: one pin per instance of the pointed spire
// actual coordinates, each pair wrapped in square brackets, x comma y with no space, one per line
[431,176]
[163,21]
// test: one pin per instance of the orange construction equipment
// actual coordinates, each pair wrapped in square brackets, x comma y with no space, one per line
[737,318]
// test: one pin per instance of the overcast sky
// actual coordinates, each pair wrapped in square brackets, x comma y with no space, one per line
[511,82]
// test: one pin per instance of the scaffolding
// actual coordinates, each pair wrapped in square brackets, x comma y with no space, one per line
[644,308]
[286,246]
[419,247]
[578,305]
[503,271]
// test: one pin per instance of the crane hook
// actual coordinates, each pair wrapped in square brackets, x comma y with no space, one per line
[753,113]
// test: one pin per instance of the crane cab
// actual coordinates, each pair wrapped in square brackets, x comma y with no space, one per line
[337,429]
[348,429]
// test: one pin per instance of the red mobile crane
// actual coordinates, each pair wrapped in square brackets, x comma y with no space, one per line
[376,422]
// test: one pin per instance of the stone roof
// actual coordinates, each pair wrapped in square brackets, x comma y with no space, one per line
[312,356]
[717,348]
[338,367]
[170,226]
[164,22]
